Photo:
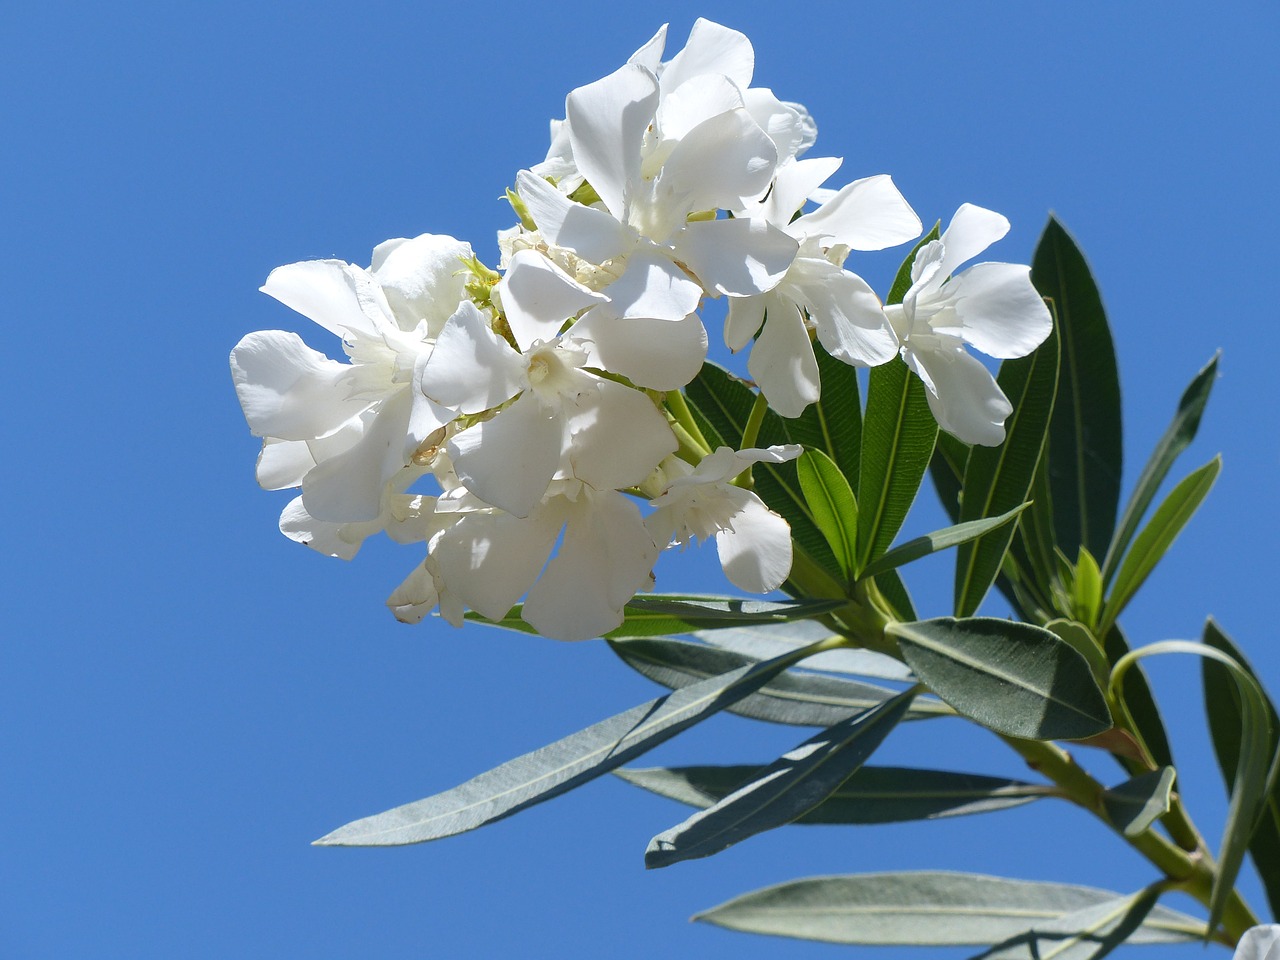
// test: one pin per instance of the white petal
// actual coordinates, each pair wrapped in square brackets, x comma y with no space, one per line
[288,390]
[744,319]
[650,55]
[607,123]
[652,287]
[342,540]
[472,368]
[509,460]
[739,257]
[868,214]
[416,597]
[964,397]
[1000,312]
[592,234]
[794,182]
[422,278]
[783,123]
[538,297]
[782,361]
[333,294]
[697,99]
[722,163]
[711,48]
[756,553]
[606,557]
[283,463]
[618,437]
[490,559]
[348,487]
[659,354]
[847,313]
[971,231]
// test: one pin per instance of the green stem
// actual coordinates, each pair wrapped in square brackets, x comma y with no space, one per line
[754,419]
[683,416]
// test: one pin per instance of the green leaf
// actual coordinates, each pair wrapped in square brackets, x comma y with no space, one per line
[1157,536]
[1085,447]
[1013,678]
[788,788]
[894,591]
[1086,587]
[898,435]
[832,504]
[1087,934]
[834,424]
[560,766]
[946,468]
[1222,703]
[997,479]
[798,698]
[939,540]
[1082,641]
[930,908]
[871,795]
[1256,768]
[1136,804]
[659,615]
[1176,439]
[766,641]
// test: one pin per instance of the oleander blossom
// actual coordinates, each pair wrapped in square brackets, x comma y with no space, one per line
[990,306]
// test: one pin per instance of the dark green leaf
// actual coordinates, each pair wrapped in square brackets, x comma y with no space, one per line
[799,698]
[1176,439]
[558,767]
[898,435]
[1222,703]
[1085,436]
[926,909]
[788,788]
[997,479]
[832,505]
[894,591]
[1014,678]
[1156,537]
[939,540]
[660,615]
[1136,804]
[946,468]
[871,795]
[1083,642]
[834,424]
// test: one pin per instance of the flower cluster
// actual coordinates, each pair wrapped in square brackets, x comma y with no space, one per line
[534,400]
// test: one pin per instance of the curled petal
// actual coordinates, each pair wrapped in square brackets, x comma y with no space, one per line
[1000,312]
[697,99]
[848,316]
[283,463]
[756,552]
[592,234]
[289,391]
[617,437]
[743,320]
[652,287]
[509,461]
[739,257]
[722,163]
[792,186]
[607,123]
[971,231]
[650,55]
[341,298]
[782,361]
[711,48]
[422,279]
[471,368]
[868,214]
[342,540]
[964,397]
[538,297]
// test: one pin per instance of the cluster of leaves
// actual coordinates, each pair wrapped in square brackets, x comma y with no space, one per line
[1039,519]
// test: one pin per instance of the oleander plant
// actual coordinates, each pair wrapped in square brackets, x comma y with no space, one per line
[542,430]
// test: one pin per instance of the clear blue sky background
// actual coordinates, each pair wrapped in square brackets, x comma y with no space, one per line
[187,699]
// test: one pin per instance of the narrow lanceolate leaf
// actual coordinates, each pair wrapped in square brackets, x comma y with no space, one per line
[898,434]
[1140,702]
[788,788]
[1157,536]
[1136,804]
[834,424]
[871,795]
[833,506]
[998,479]
[1176,439]
[798,698]
[1256,767]
[558,767]
[1085,437]
[1088,934]
[959,534]
[1013,678]
[658,615]
[926,909]
[1222,703]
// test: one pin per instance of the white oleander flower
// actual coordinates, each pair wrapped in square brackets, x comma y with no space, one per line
[753,542]
[990,306]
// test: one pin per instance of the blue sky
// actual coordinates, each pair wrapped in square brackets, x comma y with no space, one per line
[189,699]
